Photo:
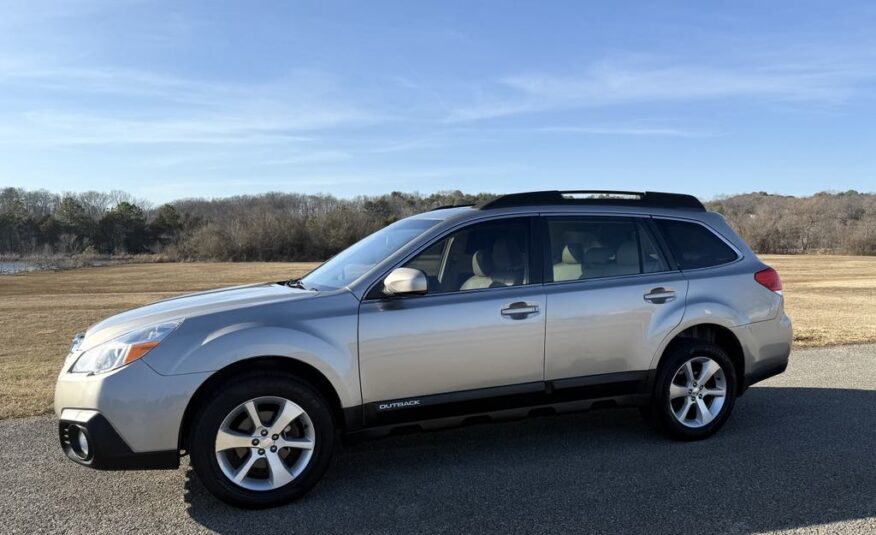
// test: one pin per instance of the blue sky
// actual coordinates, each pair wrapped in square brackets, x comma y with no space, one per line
[178,99]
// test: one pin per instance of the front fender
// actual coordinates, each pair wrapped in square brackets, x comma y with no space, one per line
[326,343]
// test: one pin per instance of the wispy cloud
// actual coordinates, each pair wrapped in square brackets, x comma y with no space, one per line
[161,109]
[627,131]
[364,181]
[310,157]
[615,82]
[428,142]
[36,74]
[60,129]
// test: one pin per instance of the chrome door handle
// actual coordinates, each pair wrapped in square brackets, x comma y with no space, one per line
[660,295]
[519,310]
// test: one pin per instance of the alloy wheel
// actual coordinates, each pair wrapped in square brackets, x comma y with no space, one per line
[697,392]
[265,443]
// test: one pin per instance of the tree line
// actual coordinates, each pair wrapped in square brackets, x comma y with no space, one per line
[270,226]
[288,226]
[827,222]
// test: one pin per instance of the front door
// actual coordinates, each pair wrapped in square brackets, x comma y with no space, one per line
[480,326]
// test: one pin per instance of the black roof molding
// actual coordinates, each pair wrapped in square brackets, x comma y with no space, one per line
[649,199]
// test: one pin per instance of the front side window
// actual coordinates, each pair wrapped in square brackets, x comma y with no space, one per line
[494,254]
[594,247]
[693,245]
[354,261]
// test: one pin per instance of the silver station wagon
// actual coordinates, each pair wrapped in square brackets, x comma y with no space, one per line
[529,302]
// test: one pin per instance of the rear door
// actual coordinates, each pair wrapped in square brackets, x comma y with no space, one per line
[611,296]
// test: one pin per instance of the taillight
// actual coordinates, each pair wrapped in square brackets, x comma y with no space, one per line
[769,279]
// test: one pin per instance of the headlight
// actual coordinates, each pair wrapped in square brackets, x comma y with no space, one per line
[124,349]
[77,341]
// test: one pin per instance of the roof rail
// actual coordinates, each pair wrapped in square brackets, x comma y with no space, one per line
[650,199]
[446,206]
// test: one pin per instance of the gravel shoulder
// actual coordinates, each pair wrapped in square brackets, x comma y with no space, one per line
[796,457]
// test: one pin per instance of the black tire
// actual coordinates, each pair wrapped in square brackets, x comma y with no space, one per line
[229,396]
[659,412]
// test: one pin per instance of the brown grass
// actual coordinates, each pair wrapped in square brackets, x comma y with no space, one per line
[41,311]
[832,300]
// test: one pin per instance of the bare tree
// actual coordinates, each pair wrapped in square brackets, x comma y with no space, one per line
[291,226]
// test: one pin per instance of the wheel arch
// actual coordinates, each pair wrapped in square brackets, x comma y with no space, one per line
[716,334]
[289,365]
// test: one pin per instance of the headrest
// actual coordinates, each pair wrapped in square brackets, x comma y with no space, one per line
[481,263]
[597,255]
[573,253]
[628,254]
[505,255]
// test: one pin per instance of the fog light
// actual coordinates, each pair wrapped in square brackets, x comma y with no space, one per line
[81,446]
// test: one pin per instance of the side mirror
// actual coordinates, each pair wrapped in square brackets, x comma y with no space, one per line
[405,281]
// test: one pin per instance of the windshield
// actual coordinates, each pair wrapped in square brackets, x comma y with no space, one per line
[356,260]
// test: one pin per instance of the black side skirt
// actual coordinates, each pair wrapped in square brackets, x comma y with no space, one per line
[441,410]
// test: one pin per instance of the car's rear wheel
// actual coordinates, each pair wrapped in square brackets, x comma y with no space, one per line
[262,440]
[694,391]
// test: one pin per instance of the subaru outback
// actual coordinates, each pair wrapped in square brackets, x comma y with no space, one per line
[530,302]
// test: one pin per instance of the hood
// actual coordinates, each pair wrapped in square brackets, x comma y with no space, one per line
[190,305]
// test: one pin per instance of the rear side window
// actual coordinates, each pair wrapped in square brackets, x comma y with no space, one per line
[693,245]
[594,247]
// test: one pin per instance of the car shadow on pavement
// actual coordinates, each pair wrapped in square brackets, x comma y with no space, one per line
[788,458]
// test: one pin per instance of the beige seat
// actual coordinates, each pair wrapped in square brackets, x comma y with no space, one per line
[482,267]
[626,260]
[569,268]
[503,266]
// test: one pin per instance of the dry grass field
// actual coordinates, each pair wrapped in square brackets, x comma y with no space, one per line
[41,311]
[832,300]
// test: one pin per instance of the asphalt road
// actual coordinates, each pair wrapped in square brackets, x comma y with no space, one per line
[798,455]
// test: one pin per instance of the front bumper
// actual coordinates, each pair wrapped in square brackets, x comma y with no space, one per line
[142,408]
[88,438]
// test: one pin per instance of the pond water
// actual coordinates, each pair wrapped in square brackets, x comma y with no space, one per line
[7,268]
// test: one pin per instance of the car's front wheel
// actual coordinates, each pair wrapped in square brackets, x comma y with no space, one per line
[262,440]
[694,391]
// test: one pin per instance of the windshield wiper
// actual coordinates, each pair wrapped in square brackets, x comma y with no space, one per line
[296,283]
